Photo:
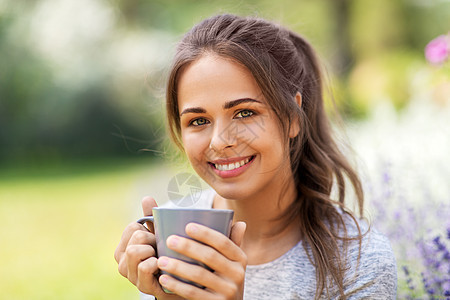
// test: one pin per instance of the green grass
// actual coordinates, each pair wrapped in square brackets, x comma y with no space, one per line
[59,229]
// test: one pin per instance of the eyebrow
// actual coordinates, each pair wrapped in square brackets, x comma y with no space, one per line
[195,110]
[227,105]
[236,102]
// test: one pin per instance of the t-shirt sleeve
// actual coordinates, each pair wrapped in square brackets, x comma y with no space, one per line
[146,297]
[375,277]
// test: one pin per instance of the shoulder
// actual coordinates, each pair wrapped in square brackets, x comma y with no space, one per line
[372,269]
[373,243]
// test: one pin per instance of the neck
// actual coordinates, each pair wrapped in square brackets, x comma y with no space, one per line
[267,236]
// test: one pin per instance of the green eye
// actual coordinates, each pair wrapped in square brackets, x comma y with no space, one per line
[244,113]
[198,122]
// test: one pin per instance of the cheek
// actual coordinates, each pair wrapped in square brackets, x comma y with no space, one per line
[266,135]
[195,145]
[272,144]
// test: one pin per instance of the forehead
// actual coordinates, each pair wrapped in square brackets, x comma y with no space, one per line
[215,77]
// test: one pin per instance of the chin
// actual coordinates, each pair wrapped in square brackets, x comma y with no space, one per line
[232,192]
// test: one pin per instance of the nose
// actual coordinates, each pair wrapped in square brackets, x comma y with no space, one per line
[224,136]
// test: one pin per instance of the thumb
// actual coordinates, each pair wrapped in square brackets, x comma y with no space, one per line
[237,232]
[147,205]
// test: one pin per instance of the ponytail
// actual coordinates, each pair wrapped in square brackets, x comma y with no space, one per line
[317,165]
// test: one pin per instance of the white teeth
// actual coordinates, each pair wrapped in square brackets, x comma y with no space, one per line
[232,166]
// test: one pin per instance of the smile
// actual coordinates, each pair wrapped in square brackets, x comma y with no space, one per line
[231,167]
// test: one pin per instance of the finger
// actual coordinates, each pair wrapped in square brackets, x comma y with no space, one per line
[123,267]
[191,272]
[147,206]
[237,232]
[135,254]
[209,256]
[185,290]
[147,282]
[215,239]
[139,238]
[142,237]
[127,233]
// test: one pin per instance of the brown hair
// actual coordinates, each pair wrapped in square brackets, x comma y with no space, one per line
[283,63]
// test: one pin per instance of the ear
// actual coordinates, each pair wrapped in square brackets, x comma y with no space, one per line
[295,126]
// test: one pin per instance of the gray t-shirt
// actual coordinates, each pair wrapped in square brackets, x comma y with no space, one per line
[292,276]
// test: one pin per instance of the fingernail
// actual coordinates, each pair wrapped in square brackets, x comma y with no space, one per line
[163,261]
[192,228]
[163,280]
[172,241]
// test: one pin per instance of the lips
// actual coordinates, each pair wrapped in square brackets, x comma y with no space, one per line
[232,166]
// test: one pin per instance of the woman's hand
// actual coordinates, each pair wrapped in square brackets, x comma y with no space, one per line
[135,255]
[220,253]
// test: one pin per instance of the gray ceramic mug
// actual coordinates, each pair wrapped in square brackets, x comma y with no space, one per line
[173,221]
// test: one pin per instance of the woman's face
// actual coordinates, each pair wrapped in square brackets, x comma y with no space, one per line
[230,134]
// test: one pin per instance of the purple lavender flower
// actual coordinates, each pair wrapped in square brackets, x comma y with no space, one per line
[406,270]
[440,246]
[446,256]
[435,278]
[421,241]
[446,286]
[437,51]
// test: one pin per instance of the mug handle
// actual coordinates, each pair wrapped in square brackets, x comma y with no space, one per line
[146,219]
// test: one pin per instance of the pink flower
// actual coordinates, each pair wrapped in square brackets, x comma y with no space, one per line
[438,49]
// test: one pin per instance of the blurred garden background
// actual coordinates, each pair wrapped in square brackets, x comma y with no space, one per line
[83,139]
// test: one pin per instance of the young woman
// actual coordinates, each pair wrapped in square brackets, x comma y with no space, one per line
[244,102]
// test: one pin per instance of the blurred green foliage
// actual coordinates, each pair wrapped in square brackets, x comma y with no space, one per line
[57,241]
[86,78]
